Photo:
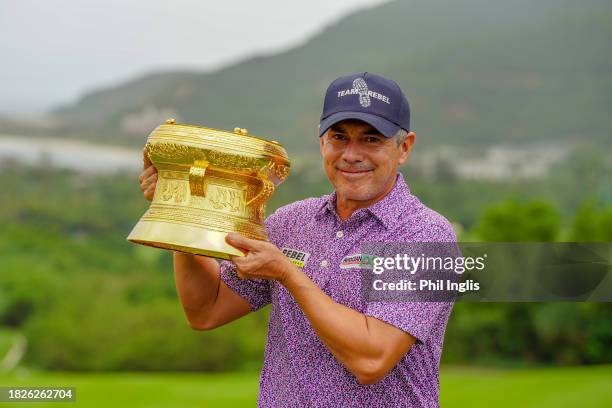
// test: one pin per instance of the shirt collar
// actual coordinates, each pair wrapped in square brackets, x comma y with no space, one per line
[386,211]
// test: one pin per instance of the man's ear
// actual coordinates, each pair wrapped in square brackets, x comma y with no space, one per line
[406,147]
[322,142]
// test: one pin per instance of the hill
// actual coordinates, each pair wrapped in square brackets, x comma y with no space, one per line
[477,72]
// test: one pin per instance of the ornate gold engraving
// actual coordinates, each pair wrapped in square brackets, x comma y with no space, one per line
[226,199]
[173,191]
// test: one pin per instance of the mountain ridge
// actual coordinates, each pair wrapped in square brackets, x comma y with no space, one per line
[478,72]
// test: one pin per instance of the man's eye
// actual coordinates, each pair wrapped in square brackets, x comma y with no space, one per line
[372,139]
[338,136]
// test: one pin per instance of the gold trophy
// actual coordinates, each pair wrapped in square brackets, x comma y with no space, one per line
[210,182]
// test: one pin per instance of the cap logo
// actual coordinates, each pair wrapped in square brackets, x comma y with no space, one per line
[360,87]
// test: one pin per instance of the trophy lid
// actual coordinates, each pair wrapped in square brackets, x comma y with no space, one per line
[237,142]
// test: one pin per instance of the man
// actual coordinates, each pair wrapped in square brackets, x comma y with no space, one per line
[328,347]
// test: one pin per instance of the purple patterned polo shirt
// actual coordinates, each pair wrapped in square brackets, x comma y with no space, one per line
[298,370]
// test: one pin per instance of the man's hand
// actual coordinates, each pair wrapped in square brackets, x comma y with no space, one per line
[148,177]
[262,260]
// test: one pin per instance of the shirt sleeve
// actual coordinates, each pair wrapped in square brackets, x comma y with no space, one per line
[254,291]
[417,318]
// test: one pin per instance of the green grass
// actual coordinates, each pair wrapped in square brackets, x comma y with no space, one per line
[461,387]
[6,341]
[544,387]
[135,390]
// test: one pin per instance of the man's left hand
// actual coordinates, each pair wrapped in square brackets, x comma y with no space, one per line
[262,260]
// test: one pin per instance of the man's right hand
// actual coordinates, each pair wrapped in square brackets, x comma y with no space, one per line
[148,177]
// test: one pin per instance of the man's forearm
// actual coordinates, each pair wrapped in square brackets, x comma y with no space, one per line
[342,329]
[197,283]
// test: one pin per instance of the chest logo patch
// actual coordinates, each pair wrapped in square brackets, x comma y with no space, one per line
[356,261]
[299,258]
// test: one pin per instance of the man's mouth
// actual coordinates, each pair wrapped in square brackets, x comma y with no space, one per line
[354,173]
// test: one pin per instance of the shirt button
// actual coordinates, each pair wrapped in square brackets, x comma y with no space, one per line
[324,263]
[339,234]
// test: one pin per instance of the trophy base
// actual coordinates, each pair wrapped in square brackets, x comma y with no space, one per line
[183,238]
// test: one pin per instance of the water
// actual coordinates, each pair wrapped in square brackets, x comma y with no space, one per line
[70,154]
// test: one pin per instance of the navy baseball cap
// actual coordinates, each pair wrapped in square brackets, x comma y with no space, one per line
[371,98]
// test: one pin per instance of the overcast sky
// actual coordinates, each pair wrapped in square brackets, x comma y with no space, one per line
[53,51]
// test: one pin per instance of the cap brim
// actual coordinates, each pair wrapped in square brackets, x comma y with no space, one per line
[387,128]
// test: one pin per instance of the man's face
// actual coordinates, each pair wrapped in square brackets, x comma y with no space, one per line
[360,162]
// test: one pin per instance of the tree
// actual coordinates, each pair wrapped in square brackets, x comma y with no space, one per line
[591,224]
[513,221]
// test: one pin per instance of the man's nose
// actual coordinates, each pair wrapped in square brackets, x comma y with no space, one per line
[352,153]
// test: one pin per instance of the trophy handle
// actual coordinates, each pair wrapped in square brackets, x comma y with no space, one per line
[267,189]
[197,173]
[196,177]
